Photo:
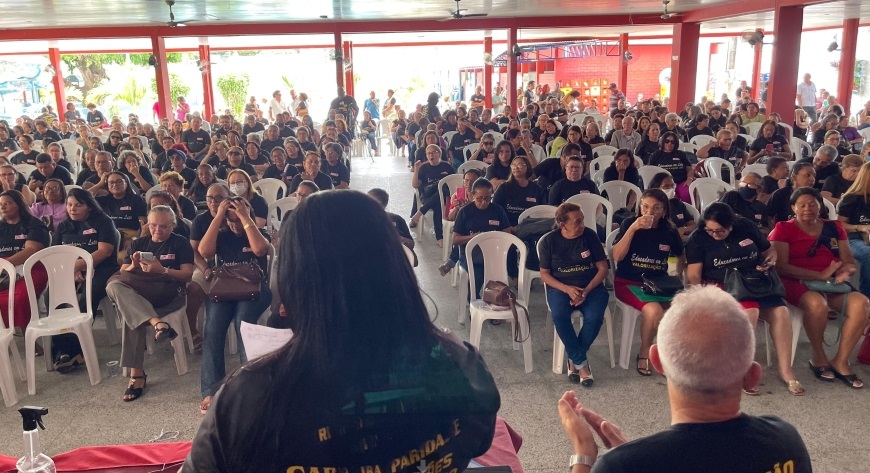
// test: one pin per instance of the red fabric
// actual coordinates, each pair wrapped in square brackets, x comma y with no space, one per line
[153,456]
[624,294]
[22,303]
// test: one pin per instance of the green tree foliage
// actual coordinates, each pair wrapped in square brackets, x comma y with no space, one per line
[90,68]
[176,86]
[234,89]
[133,92]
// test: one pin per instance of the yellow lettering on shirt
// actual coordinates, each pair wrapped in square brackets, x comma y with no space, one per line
[323,434]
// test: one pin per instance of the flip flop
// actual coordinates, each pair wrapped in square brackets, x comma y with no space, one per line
[821,372]
[794,387]
[642,371]
[849,379]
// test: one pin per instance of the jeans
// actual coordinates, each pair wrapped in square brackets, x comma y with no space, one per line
[576,345]
[433,202]
[371,139]
[862,255]
[219,315]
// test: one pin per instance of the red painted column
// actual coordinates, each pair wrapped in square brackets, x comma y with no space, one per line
[339,65]
[58,83]
[487,72]
[622,80]
[347,53]
[512,69]
[782,89]
[756,71]
[207,90]
[684,64]
[846,80]
[158,48]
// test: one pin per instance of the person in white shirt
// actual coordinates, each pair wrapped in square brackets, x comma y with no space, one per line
[294,100]
[806,97]
[276,106]
[628,138]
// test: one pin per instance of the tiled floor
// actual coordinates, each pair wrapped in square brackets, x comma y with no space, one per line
[833,419]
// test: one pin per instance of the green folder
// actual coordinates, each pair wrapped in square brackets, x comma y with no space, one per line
[644,297]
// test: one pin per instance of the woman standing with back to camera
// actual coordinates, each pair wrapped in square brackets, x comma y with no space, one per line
[366,378]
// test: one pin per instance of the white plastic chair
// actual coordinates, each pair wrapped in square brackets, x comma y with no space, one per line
[797,323]
[25,169]
[495,247]
[271,189]
[538,211]
[752,129]
[13,154]
[832,211]
[701,140]
[789,130]
[470,150]
[619,194]
[448,135]
[499,137]
[60,262]
[760,169]
[72,149]
[648,172]
[709,190]
[604,150]
[471,165]
[629,314]
[589,205]
[37,146]
[7,343]
[577,119]
[452,182]
[749,139]
[598,177]
[278,210]
[548,148]
[696,214]
[797,146]
[713,166]
[689,147]
[70,187]
[600,164]
[865,132]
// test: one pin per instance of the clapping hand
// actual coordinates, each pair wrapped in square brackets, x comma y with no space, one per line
[577,420]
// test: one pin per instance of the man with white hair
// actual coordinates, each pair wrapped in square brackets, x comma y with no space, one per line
[628,138]
[705,348]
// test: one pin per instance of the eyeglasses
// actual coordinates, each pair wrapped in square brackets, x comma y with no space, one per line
[159,226]
[116,183]
[716,232]
[234,153]
[487,143]
[654,208]
[215,198]
[519,165]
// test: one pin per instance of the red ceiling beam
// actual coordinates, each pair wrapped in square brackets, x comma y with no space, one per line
[742,7]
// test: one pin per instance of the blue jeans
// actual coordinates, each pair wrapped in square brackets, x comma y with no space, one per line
[576,345]
[862,255]
[219,315]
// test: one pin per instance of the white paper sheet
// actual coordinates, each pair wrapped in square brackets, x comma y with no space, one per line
[260,340]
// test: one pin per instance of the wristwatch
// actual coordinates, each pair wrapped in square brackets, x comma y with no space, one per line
[580,460]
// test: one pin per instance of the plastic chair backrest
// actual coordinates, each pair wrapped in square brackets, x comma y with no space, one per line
[577,119]
[471,165]
[469,150]
[502,127]
[789,130]
[453,182]
[495,247]
[548,148]
[538,211]
[26,169]
[760,169]
[71,148]
[409,254]
[497,135]
[832,211]
[103,137]
[648,172]
[12,155]
[70,187]
[696,215]
[702,140]
[709,190]
[598,177]
[752,129]
[59,262]
[865,132]
[9,269]
[619,194]
[589,205]
[797,146]
[749,139]
[689,147]
[604,150]
[448,135]
[278,209]
[599,164]
[271,189]
[713,166]
[37,146]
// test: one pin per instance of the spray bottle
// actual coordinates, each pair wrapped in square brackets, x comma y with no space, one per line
[34,461]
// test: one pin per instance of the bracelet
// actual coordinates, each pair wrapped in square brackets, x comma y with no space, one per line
[247,225]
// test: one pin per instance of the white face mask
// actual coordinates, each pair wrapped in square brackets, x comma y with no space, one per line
[670,192]
[238,188]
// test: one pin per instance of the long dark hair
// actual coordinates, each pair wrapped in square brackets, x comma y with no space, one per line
[85,197]
[23,209]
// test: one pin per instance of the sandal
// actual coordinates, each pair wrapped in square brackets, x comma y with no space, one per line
[573,372]
[794,387]
[205,404]
[851,380]
[751,392]
[642,371]
[824,373]
[164,334]
[135,393]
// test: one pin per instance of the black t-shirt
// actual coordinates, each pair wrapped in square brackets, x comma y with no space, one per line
[779,208]
[260,159]
[87,235]
[741,249]
[497,170]
[491,126]
[14,236]
[188,208]
[8,145]
[26,158]
[222,171]
[196,141]
[549,171]
[60,172]
[189,176]
[855,208]
[126,211]
[272,172]
[649,250]
[745,443]
[172,253]
[740,142]
[235,249]
[754,211]
[247,129]
[565,189]
[514,199]
[631,175]
[470,221]
[84,176]
[323,181]
[458,143]
[401,227]
[200,225]
[429,175]
[775,141]
[144,172]
[259,206]
[770,184]
[679,213]
[344,105]
[571,261]
[338,173]
[266,146]
[734,155]
[675,163]
[95,118]
[836,185]
[694,131]
[287,131]
[823,173]
[436,405]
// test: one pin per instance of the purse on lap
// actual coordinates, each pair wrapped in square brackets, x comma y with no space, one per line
[238,282]
[660,283]
[158,288]
[747,285]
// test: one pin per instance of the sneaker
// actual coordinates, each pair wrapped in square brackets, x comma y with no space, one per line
[65,364]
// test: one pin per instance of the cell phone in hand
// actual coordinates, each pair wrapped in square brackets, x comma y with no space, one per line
[146,255]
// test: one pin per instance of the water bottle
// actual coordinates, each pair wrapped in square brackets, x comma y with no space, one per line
[34,461]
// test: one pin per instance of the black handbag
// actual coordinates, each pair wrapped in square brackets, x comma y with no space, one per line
[661,284]
[752,284]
